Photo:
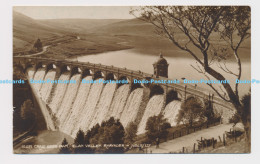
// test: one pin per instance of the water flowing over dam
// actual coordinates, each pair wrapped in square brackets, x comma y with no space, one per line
[64,109]
[47,116]
[76,105]
[89,108]
[132,107]
[46,88]
[153,108]
[102,107]
[171,111]
[39,75]
[30,72]
[72,124]
[59,93]
[119,101]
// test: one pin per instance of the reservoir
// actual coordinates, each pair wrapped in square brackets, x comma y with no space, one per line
[179,68]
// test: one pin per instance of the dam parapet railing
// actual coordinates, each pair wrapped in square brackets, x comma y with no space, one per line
[185,90]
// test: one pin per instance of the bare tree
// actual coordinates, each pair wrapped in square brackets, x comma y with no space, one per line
[194,29]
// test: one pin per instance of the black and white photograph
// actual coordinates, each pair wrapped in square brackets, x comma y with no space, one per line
[132,79]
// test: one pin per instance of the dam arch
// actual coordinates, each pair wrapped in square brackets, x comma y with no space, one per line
[123,77]
[85,72]
[62,69]
[135,86]
[156,89]
[98,74]
[110,76]
[74,70]
[172,95]
[39,65]
[50,66]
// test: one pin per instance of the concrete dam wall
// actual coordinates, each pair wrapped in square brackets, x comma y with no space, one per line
[68,107]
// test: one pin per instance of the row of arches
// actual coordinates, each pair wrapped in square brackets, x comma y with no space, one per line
[95,72]
[155,89]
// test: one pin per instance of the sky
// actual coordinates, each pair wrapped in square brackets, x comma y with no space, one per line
[83,12]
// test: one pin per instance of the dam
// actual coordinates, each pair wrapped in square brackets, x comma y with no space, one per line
[68,107]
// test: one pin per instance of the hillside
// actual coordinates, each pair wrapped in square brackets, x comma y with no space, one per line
[140,35]
[101,26]
[78,25]
[26,30]
[127,27]
[60,33]
[97,35]
[143,37]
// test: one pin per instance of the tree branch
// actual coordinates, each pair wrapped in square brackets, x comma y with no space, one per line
[199,70]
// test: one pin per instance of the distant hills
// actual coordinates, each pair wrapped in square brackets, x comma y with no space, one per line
[26,30]
[78,25]
[129,27]
[130,32]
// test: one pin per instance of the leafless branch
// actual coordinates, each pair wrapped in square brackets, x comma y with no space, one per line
[199,70]
[225,69]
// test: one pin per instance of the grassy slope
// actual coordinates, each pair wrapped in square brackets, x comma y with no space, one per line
[26,30]
[97,36]
[82,47]
[61,35]
[143,38]
[78,25]
[140,35]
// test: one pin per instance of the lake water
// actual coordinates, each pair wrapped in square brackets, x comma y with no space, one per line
[178,67]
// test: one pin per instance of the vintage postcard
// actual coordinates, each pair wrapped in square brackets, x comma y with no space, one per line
[131,79]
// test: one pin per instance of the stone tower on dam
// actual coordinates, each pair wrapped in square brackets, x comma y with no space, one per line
[161,67]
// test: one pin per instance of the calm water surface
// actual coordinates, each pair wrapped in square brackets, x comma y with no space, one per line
[178,67]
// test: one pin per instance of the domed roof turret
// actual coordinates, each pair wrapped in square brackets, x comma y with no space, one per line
[161,60]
